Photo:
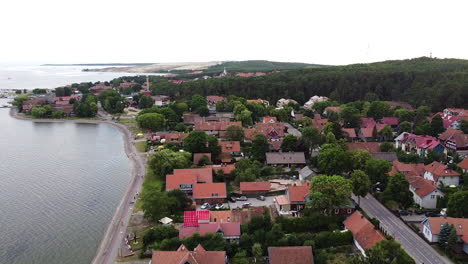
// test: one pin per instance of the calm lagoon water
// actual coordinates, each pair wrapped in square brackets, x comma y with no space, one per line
[60,184]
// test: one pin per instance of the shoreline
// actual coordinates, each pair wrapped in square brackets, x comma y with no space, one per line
[107,251]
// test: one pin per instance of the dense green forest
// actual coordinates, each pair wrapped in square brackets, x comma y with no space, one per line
[439,83]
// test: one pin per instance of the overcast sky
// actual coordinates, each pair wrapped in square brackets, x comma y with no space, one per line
[324,32]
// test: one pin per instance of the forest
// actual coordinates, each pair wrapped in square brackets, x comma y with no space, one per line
[439,83]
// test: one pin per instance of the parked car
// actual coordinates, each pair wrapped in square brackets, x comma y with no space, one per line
[261,198]
[242,198]
[432,214]
[206,206]
[419,212]
[233,199]
[219,206]
[246,205]
[403,212]
[443,212]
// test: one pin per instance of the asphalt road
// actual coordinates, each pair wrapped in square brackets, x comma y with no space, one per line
[414,245]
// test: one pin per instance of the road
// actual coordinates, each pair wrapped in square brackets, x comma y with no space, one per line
[413,244]
[116,231]
[292,130]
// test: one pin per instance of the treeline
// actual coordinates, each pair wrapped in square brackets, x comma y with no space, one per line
[439,83]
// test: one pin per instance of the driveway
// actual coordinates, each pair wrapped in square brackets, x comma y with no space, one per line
[412,243]
[269,200]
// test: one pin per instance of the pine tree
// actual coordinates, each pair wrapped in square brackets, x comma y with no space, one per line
[444,235]
[452,238]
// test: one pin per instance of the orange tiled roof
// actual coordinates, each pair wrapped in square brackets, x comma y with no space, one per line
[464,164]
[209,190]
[298,193]
[183,255]
[461,225]
[230,146]
[363,231]
[440,170]
[289,255]
[255,186]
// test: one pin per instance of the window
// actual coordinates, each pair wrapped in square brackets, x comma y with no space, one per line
[432,196]
[337,211]
[349,211]
[214,195]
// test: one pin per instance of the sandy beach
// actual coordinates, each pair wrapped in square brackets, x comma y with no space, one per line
[112,240]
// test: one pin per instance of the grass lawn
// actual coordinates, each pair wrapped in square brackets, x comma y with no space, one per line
[151,180]
[131,124]
[141,146]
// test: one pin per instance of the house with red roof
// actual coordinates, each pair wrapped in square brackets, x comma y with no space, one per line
[175,137]
[350,133]
[254,188]
[232,147]
[420,144]
[364,232]
[209,192]
[440,174]
[274,132]
[98,88]
[185,179]
[215,127]
[336,109]
[390,121]
[292,203]
[229,230]
[198,256]
[433,225]
[212,100]
[318,122]
[161,100]
[260,101]
[371,147]
[226,168]
[223,216]
[195,218]
[425,192]
[290,255]
[464,165]
[269,119]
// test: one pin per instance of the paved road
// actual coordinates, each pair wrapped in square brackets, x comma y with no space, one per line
[293,131]
[112,241]
[416,247]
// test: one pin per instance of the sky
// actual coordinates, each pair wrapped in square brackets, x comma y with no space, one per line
[322,32]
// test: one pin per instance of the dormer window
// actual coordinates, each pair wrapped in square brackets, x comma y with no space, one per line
[214,195]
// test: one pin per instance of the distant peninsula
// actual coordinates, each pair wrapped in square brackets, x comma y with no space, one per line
[99,64]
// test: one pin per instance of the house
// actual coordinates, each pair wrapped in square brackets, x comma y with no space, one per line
[226,168]
[254,188]
[315,99]
[225,157]
[364,232]
[350,133]
[161,100]
[464,165]
[198,156]
[209,192]
[292,203]
[162,137]
[185,179]
[290,255]
[273,131]
[221,216]
[195,218]
[230,230]
[390,121]
[232,147]
[212,100]
[306,173]
[216,127]
[30,104]
[198,256]
[418,144]
[425,192]
[98,88]
[318,122]
[457,143]
[450,119]
[282,102]
[298,117]
[269,119]
[260,101]
[440,174]
[371,147]
[244,216]
[433,225]
[285,158]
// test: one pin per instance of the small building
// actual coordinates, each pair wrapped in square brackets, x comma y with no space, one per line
[290,255]
[199,256]
[364,232]
[232,147]
[440,174]
[371,147]
[285,158]
[161,100]
[209,192]
[254,188]
[230,230]
[306,173]
[433,225]
[418,144]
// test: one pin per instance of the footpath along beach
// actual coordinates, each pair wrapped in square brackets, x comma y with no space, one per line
[116,231]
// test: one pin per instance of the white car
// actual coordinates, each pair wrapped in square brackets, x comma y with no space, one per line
[205,206]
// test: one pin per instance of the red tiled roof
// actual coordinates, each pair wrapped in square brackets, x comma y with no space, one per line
[367,132]
[209,190]
[202,174]
[464,164]
[391,121]
[225,157]
[198,156]
[226,168]
[363,231]
[255,186]
[371,147]
[424,142]
[199,255]
[228,229]
[221,216]
[421,186]
[282,200]
[460,141]
[350,132]
[214,99]
[215,125]
[269,119]
[407,169]
[230,146]
[298,193]
[367,122]
[174,181]
[461,225]
[290,255]
[192,218]
[440,170]
[449,133]
[168,136]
